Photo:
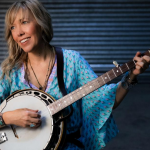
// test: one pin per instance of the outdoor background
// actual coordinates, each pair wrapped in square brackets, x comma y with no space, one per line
[103,31]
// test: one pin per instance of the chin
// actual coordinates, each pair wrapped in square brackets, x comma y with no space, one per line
[27,50]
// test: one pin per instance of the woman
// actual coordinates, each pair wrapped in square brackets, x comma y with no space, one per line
[32,64]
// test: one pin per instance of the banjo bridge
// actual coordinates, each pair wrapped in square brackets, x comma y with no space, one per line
[3,137]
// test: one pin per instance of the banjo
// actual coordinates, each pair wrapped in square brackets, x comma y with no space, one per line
[50,134]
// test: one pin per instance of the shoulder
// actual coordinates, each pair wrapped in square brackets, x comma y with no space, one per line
[12,74]
[15,70]
[72,56]
[70,53]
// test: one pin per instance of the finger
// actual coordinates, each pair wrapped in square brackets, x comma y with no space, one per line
[147,59]
[138,67]
[34,115]
[138,59]
[32,125]
[140,64]
[37,125]
[31,114]
[32,110]
[146,64]
[137,54]
[34,120]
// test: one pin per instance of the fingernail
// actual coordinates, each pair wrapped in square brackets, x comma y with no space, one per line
[39,111]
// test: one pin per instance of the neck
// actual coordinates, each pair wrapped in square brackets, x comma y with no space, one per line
[41,54]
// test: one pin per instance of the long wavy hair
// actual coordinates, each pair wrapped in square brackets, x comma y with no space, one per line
[16,56]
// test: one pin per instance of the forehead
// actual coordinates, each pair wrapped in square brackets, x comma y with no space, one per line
[20,14]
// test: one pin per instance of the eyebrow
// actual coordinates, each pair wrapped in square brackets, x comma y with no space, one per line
[19,21]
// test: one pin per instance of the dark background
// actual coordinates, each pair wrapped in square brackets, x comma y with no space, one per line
[103,31]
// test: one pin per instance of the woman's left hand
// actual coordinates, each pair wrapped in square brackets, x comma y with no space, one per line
[142,63]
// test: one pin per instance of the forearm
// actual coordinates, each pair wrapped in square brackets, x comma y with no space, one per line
[121,91]
[120,94]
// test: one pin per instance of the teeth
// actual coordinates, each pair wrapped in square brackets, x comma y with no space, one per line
[24,40]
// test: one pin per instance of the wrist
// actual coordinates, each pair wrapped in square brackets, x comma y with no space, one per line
[2,123]
[128,80]
[131,77]
[6,118]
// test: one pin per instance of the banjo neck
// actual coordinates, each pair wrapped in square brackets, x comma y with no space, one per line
[92,86]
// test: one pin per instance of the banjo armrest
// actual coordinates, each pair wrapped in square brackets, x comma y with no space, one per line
[3,137]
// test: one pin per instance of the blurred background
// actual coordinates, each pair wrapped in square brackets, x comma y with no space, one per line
[103,31]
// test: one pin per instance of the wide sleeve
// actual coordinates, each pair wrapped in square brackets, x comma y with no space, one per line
[98,125]
[4,88]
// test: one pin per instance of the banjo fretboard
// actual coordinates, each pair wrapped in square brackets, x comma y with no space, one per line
[91,86]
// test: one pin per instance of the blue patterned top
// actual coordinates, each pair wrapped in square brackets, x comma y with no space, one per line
[93,112]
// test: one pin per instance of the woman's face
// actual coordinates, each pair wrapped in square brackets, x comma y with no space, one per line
[26,32]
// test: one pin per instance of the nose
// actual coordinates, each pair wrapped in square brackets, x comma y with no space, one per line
[20,31]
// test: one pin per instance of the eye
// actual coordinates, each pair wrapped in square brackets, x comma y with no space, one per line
[12,27]
[24,22]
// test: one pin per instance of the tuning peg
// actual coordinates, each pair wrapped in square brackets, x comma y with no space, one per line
[115,63]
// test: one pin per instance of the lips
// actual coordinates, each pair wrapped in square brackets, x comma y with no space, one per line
[25,40]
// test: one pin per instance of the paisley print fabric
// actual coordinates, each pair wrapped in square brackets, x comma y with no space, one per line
[92,113]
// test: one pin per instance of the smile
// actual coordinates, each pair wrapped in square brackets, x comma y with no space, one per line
[24,40]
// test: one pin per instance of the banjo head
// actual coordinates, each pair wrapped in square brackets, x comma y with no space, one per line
[40,138]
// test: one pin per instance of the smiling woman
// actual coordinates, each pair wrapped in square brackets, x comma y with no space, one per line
[32,63]
[30,17]
[26,32]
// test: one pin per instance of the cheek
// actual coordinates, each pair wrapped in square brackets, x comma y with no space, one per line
[14,37]
[36,31]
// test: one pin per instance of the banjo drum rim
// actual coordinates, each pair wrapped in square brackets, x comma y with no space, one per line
[62,123]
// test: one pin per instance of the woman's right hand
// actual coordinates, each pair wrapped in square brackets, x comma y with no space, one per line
[22,117]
